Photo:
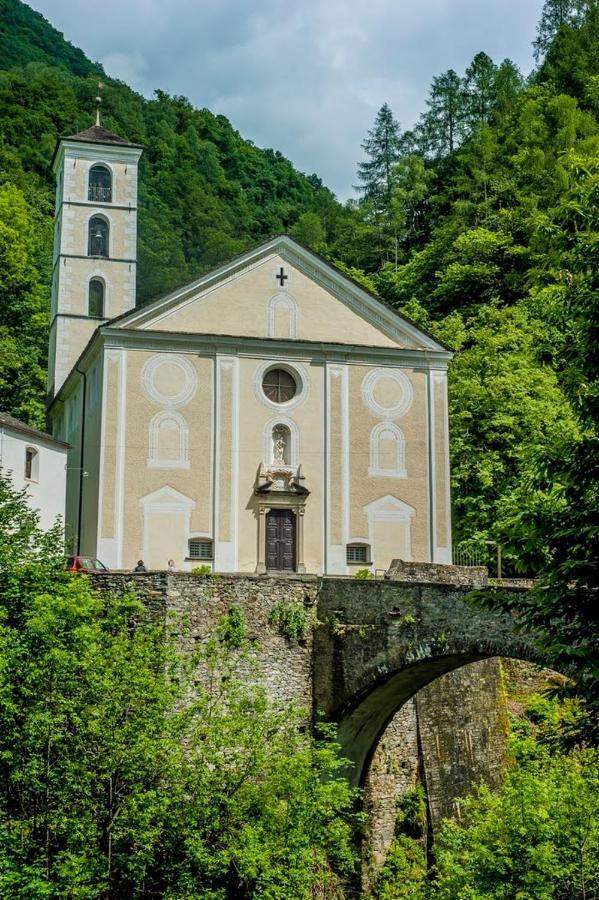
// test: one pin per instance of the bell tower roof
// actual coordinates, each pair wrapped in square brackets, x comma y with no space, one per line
[97,134]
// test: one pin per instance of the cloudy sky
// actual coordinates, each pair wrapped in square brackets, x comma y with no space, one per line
[303,76]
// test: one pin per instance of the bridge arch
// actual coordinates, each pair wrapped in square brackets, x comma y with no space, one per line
[381,642]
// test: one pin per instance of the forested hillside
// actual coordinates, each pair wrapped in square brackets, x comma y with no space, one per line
[206,194]
[481,223]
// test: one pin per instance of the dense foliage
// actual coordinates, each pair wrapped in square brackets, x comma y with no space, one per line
[487,235]
[537,839]
[125,773]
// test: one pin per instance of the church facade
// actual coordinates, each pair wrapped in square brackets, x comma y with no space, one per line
[270,416]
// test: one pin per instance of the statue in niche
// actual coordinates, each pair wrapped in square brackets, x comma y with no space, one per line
[279,446]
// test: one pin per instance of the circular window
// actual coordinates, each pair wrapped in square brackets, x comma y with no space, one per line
[279,385]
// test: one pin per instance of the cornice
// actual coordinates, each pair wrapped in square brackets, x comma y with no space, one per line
[272,348]
[94,150]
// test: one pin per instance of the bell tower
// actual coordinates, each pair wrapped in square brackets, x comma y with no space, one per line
[95,241]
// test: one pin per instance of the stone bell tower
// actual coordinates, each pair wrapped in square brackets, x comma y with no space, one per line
[95,241]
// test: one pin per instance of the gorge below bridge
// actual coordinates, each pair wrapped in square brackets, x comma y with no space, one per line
[372,644]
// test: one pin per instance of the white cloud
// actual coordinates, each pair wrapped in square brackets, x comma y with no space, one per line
[305,78]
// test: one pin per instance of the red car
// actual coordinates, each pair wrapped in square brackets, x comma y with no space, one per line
[85,564]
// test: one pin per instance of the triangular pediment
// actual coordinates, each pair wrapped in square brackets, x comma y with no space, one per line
[389,506]
[167,499]
[280,290]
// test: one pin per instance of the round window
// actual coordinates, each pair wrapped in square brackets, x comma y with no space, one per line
[279,385]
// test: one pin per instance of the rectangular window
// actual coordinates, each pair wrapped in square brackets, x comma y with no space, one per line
[358,553]
[200,548]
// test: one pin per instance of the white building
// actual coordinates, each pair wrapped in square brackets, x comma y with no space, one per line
[38,462]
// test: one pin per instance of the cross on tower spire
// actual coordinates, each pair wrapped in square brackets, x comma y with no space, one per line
[99,101]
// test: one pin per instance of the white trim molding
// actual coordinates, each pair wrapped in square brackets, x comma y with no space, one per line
[155,461]
[166,500]
[400,408]
[298,371]
[335,555]
[226,470]
[390,509]
[398,470]
[152,366]
[441,549]
[281,301]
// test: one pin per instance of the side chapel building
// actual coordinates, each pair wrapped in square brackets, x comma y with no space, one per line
[270,416]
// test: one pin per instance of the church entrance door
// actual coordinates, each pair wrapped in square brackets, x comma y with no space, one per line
[280,540]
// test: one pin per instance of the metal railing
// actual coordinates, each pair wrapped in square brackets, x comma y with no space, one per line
[470,556]
[99,193]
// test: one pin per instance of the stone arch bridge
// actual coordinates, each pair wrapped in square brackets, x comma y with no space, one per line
[381,642]
[374,644]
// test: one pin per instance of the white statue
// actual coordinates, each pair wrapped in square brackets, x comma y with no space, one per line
[279,449]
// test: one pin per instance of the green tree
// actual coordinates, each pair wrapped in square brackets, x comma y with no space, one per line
[479,85]
[556,13]
[441,127]
[537,838]
[408,206]
[382,146]
[508,86]
[308,230]
[23,316]
[132,770]
[560,521]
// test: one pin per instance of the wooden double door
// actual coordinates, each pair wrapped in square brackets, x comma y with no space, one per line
[280,540]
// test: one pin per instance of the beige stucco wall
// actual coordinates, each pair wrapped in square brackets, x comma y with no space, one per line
[389,537]
[153,510]
[242,303]
[130,476]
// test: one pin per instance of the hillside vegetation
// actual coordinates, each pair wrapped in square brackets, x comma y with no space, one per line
[205,193]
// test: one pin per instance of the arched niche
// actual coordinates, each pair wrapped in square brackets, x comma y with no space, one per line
[168,441]
[282,316]
[281,428]
[387,451]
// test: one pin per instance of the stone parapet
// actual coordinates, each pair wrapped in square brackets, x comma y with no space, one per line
[437,573]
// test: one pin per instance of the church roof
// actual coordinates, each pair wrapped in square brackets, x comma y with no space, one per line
[97,134]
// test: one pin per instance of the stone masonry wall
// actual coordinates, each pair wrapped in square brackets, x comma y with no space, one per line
[198,605]
[449,737]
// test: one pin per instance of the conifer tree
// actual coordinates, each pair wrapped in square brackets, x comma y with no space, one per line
[508,85]
[555,14]
[441,127]
[479,85]
[383,147]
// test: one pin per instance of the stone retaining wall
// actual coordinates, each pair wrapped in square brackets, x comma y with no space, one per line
[199,604]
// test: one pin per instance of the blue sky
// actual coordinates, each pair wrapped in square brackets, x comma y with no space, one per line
[305,77]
